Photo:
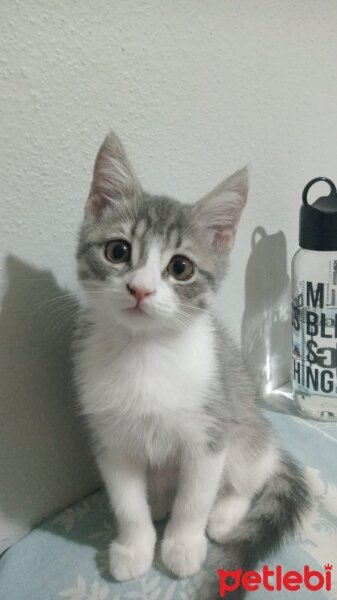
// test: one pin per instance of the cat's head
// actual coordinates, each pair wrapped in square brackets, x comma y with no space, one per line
[148,261]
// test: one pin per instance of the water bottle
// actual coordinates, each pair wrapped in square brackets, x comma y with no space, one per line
[314,307]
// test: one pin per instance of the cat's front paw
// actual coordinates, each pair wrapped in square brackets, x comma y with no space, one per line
[183,554]
[131,559]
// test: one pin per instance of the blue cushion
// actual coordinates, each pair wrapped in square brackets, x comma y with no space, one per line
[66,556]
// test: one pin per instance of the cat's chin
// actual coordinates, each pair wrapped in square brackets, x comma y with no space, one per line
[137,320]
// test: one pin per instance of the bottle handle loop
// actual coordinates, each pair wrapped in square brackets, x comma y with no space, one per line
[333,190]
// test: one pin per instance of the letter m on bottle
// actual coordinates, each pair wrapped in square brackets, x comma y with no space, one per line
[315,297]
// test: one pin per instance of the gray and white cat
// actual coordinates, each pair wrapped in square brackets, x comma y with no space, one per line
[173,415]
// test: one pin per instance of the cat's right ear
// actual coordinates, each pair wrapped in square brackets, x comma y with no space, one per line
[113,178]
[219,212]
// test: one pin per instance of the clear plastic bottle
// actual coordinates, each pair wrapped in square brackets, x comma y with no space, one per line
[314,308]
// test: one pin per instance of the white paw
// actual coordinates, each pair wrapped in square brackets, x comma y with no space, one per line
[132,559]
[225,516]
[183,554]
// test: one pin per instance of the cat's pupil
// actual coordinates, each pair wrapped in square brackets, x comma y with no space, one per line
[179,266]
[119,251]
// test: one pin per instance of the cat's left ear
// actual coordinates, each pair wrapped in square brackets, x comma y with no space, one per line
[219,212]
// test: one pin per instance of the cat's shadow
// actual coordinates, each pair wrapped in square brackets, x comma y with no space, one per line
[45,459]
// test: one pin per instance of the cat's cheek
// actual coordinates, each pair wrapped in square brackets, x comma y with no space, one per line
[165,303]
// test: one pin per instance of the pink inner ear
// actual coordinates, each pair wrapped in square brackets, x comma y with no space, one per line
[97,204]
[223,239]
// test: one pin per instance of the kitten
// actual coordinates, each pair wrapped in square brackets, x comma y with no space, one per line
[173,415]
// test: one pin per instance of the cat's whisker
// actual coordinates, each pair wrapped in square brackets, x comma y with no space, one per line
[67,297]
[192,307]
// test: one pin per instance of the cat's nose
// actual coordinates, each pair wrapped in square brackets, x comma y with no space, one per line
[139,292]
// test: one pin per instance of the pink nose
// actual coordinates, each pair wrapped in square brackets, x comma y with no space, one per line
[139,293]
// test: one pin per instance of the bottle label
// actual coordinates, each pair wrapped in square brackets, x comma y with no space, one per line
[314,325]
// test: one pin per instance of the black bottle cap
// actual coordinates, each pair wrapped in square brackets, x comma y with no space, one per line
[318,221]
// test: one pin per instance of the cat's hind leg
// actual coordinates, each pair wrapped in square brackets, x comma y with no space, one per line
[239,486]
[226,514]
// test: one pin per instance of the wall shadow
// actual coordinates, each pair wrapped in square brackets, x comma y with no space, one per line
[266,323]
[45,461]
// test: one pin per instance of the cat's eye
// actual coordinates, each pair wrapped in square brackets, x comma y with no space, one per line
[181,268]
[118,251]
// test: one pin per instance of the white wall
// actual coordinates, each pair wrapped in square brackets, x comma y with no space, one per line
[195,89]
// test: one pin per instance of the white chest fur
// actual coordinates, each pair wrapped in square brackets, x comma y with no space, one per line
[146,389]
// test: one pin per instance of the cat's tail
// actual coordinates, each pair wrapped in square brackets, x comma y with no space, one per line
[275,514]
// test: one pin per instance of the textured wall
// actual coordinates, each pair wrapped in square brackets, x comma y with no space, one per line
[195,89]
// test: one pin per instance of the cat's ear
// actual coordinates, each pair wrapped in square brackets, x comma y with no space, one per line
[113,177]
[219,212]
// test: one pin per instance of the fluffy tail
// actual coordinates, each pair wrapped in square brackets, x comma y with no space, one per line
[273,517]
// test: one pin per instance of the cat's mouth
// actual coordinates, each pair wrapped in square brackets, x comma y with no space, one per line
[136,310]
